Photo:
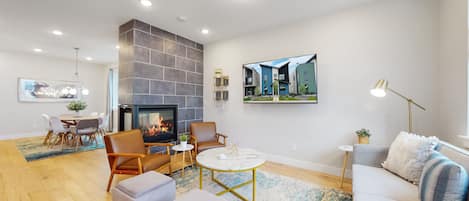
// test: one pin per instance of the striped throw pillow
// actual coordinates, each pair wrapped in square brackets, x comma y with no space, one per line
[443,180]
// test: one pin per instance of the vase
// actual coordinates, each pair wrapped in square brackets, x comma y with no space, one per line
[363,140]
[184,144]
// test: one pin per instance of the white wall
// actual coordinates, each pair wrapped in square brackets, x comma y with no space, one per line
[453,69]
[23,119]
[393,40]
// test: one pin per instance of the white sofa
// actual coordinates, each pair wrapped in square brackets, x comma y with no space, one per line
[373,183]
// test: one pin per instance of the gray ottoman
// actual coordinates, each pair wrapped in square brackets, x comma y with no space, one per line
[149,186]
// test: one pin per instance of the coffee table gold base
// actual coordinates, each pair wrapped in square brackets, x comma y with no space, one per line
[231,189]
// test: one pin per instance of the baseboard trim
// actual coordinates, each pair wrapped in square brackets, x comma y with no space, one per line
[306,165]
[21,135]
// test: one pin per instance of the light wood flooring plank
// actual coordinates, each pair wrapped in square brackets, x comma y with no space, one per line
[83,176]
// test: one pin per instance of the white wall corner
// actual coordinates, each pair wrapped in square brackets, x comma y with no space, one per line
[464,140]
[308,165]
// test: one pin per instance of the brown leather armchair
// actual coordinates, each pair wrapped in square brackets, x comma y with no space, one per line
[204,136]
[128,154]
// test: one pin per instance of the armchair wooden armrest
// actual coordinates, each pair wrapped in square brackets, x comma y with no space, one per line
[194,142]
[221,135]
[130,155]
[193,139]
[158,144]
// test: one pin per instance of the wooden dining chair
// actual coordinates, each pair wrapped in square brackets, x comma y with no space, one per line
[58,131]
[128,154]
[48,129]
[88,127]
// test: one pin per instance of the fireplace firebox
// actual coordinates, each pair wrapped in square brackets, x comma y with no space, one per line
[158,123]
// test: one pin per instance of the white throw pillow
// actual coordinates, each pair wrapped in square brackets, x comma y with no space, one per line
[407,155]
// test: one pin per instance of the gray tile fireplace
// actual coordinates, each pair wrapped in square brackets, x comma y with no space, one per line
[160,68]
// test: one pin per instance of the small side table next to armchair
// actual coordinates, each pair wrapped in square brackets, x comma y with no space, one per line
[347,149]
[184,149]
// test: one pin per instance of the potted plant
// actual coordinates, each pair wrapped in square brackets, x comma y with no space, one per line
[363,136]
[77,106]
[183,139]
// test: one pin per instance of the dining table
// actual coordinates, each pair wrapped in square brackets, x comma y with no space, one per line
[73,119]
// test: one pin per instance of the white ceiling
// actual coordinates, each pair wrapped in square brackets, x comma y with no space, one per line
[93,25]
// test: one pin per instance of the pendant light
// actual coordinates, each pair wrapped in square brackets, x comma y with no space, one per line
[84,91]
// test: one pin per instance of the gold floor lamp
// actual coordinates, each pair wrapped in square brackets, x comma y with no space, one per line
[380,91]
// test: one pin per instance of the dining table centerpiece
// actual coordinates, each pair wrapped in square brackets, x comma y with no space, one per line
[77,106]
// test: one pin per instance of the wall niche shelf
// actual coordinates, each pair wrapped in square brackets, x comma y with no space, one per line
[221,85]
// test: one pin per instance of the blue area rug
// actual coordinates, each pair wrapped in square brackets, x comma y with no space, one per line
[269,187]
[33,149]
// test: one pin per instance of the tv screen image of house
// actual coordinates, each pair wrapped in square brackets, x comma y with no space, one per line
[286,80]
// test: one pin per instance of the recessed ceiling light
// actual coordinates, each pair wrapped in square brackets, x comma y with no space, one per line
[118,47]
[37,50]
[89,58]
[146,3]
[205,31]
[57,32]
[182,18]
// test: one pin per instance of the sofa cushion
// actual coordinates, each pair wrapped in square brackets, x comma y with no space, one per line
[454,153]
[407,155]
[443,179]
[198,195]
[380,183]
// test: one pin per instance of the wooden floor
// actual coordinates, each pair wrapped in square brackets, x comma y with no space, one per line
[83,176]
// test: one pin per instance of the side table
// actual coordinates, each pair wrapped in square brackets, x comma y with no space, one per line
[184,149]
[347,149]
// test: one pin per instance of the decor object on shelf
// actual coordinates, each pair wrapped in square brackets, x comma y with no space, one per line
[285,80]
[183,140]
[37,90]
[380,91]
[221,84]
[77,106]
[363,136]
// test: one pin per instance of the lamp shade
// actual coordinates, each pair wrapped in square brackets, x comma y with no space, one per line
[380,88]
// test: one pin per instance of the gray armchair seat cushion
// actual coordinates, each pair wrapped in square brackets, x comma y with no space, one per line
[371,183]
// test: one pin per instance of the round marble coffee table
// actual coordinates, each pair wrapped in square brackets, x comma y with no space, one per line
[221,160]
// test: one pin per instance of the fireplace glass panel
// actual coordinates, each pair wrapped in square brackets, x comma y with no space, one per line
[156,122]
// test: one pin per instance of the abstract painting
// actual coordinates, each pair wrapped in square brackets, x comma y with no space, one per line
[36,90]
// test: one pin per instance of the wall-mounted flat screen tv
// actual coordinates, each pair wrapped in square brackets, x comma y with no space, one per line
[286,80]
